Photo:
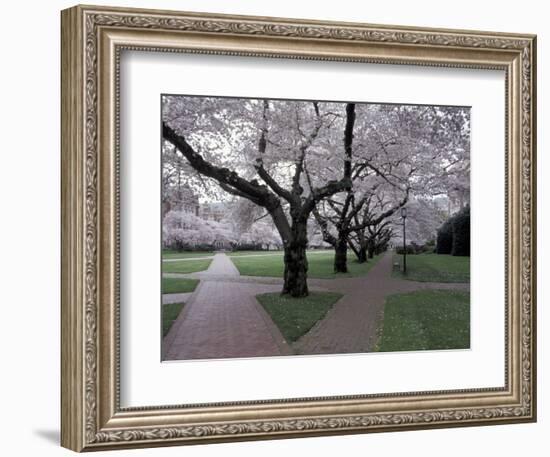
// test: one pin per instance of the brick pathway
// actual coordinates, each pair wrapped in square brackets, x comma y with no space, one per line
[222,265]
[175,298]
[351,325]
[223,319]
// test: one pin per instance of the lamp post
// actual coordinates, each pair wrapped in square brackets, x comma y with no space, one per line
[404,216]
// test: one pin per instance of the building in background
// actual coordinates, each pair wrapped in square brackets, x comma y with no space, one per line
[181,198]
[215,211]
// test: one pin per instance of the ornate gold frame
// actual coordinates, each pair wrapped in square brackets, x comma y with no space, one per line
[92,39]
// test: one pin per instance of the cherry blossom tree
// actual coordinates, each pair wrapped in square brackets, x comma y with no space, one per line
[275,137]
[261,234]
[184,230]
[336,171]
[399,151]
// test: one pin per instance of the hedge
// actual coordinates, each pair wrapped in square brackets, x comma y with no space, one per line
[461,233]
[444,242]
[453,237]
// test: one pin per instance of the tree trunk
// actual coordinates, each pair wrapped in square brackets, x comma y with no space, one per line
[356,250]
[341,255]
[295,259]
[362,255]
[370,249]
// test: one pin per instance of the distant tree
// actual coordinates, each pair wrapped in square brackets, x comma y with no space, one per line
[425,217]
[261,235]
[371,240]
[183,230]
[351,220]
[399,151]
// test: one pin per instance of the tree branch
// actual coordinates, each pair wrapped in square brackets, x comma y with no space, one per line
[262,172]
[327,236]
[331,188]
[383,216]
[237,193]
[296,188]
[248,189]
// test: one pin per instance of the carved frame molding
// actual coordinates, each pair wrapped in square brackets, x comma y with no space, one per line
[92,39]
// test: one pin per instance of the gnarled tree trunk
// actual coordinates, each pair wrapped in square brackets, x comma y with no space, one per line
[362,255]
[296,266]
[370,248]
[341,255]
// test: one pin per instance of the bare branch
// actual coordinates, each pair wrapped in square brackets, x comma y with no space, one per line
[331,188]
[382,216]
[262,172]
[259,218]
[247,189]
[296,188]
[327,236]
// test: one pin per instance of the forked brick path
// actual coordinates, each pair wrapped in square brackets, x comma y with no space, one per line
[351,325]
[223,319]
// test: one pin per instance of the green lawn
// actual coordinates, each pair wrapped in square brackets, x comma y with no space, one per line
[426,319]
[275,253]
[185,266]
[296,316]
[321,265]
[435,268]
[239,253]
[178,286]
[170,313]
[171,254]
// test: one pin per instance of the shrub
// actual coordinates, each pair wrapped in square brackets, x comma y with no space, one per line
[186,247]
[249,247]
[380,248]
[410,250]
[425,248]
[453,237]
[415,248]
[444,242]
[461,233]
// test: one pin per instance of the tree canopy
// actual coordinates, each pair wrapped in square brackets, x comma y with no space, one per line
[339,171]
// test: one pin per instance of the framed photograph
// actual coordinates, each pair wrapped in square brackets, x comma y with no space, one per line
[281,228]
